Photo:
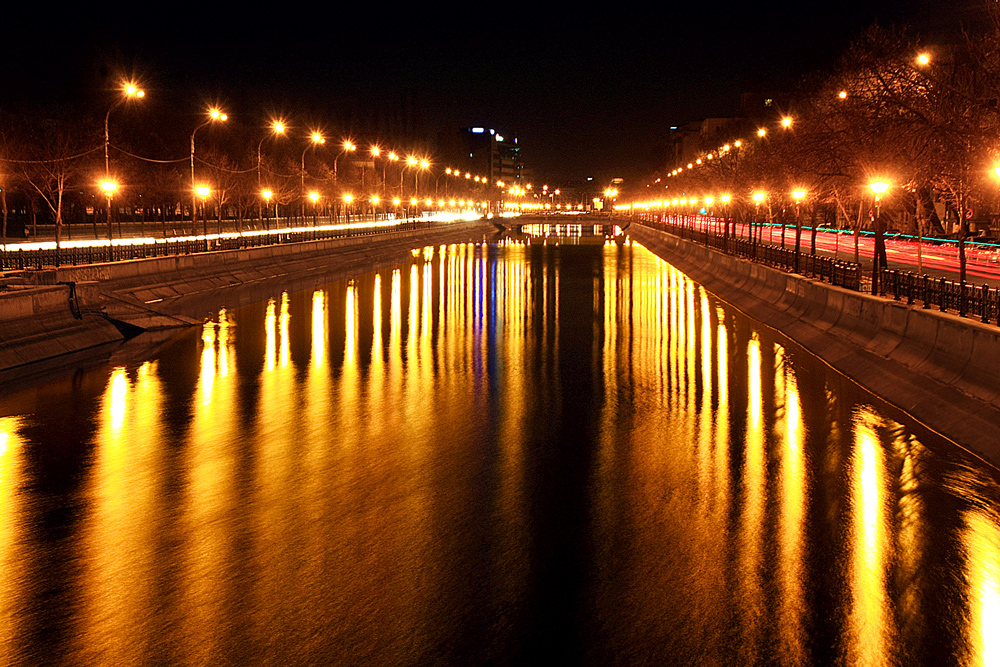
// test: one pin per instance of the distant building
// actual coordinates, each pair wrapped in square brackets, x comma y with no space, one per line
[485,151]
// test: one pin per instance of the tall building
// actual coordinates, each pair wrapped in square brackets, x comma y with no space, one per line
[485,151]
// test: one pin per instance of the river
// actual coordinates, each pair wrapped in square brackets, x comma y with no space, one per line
[509,453]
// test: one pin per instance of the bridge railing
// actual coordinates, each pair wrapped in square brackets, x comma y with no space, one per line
[963,299]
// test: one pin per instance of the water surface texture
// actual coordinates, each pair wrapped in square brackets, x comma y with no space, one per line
[492,454]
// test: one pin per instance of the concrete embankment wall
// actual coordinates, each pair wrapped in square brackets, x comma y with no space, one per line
[39,323]
[941,369]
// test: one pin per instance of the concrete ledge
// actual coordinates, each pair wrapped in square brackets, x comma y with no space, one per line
[939,368]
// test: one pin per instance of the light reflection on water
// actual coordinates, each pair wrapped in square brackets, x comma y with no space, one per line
[488,454]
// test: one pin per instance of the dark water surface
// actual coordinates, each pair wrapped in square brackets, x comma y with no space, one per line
[505,455]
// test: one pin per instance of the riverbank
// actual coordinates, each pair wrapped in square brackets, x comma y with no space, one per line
[50,318]
[936,367]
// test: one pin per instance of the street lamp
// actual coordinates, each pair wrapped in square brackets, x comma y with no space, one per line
[797,195]
[277,128]
[347,147]
[267,194]
[109,188]
[315,139]
[129,91]
[879,259]
[758,197]
[314,198]
[214,115]
[203,191]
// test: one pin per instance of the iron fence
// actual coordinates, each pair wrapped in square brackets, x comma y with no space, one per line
[38,258]
[964,299]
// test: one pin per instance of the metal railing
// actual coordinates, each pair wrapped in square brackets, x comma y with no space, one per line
[834,271]
[964,299]
[38,258]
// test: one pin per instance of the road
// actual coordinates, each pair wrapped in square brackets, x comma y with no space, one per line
[938,257]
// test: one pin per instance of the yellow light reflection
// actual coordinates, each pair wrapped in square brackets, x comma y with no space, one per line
[284,352]
[793,483]
[870,619]
[12,565]
[751,556]
[319,328]
[117,395]
[270,336]
[981,541]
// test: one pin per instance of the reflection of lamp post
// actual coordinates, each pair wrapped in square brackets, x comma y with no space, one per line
[879,260]
[109,188]
[214,114]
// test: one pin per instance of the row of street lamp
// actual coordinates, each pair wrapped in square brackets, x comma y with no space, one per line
[279,128]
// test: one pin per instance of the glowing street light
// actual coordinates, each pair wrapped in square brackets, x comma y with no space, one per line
[761,132]
[798,195]
[109,188]
[879,259]
[924,59]
[346,147]
[214,115]
[786,122]
[315,139]
[278,128]
[130,92]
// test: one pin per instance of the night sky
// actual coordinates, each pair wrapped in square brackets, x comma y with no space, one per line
[588,92]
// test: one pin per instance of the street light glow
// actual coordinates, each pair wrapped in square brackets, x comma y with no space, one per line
[109,186]
[879,187]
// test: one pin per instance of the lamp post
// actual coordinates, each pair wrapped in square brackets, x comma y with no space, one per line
[203,192]
[109,188]
[214,114]
[315,139]
[267,194]
[347,147]
[797,195]
[725,223]
[277,128]
[130,92]
[314,198]
[348,198]
[879,261]
[394,157]
[758,197]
